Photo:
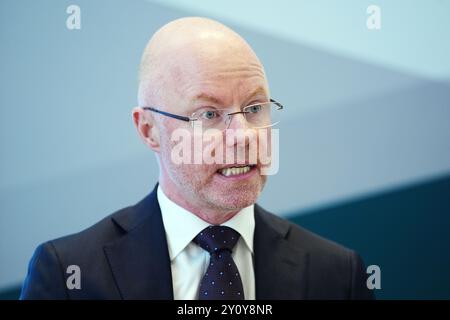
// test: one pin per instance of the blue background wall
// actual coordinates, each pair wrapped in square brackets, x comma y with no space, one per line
[365,145]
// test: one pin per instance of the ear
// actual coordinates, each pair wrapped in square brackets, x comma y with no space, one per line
[145,125]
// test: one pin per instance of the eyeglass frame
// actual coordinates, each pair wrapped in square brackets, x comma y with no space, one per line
[191,120]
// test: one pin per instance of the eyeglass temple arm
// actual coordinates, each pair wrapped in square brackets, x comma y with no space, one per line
[277,103]
[175,116]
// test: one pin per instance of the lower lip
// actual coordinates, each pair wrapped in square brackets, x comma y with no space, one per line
[238,177]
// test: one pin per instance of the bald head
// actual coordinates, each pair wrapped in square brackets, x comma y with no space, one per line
[189,48]
[192,65]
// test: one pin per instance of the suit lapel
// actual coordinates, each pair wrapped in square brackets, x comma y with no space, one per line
[280,268]
[139,260]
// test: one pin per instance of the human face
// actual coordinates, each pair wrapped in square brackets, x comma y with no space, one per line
[231,77]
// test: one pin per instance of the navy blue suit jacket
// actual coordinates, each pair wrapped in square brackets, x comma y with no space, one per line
[125,256]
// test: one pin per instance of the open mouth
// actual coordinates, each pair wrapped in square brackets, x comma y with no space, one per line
[235,170]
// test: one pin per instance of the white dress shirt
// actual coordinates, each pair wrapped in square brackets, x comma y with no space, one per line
[189,261]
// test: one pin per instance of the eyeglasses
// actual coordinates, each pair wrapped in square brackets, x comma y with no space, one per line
[258,115]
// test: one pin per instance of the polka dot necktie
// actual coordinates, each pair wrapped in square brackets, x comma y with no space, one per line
[222,279]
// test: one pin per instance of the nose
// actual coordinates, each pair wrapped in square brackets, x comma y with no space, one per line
[237,121]
[238,132]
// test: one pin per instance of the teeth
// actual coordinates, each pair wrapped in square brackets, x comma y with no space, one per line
[234,171]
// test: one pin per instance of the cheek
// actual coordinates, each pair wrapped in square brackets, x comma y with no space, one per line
[264,142]
[191,177]
[184,173]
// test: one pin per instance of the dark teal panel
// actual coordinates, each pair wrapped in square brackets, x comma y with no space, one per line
[11,293]
[406,232]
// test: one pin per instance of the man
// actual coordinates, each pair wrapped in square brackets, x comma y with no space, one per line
[199,233]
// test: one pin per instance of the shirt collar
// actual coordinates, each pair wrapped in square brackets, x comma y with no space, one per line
[182,226]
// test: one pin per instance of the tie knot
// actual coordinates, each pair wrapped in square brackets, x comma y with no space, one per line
[217,238]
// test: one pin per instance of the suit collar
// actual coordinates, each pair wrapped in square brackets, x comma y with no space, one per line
[139,260]
[280,268]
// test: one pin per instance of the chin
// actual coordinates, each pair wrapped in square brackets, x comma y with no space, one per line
[236,198]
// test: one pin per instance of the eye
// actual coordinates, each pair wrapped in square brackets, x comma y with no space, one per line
[254,108]
[209,114]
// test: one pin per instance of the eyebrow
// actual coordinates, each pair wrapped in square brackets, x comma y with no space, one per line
[259,90]
[208,97]
[205,96]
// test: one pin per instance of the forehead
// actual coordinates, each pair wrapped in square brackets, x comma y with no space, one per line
[221,83]
[219,76]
